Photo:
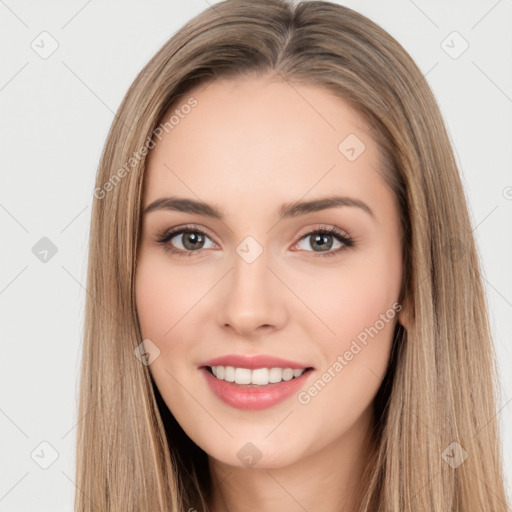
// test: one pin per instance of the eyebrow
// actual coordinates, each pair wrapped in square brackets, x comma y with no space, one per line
[287,210]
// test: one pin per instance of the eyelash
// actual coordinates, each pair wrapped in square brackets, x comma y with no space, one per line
[164,238]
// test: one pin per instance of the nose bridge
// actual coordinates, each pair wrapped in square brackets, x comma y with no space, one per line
[252,296]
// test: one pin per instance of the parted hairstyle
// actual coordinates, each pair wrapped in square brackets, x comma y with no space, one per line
[442,380]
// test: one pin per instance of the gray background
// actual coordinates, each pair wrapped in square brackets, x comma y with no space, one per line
[54,116]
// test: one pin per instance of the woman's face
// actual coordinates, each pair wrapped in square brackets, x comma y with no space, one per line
[250,277]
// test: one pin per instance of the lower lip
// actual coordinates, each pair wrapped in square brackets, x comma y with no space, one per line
[254,398]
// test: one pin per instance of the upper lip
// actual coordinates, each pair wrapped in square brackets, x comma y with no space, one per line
[254,362]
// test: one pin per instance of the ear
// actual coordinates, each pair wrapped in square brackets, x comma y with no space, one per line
[404,315]
[403,319]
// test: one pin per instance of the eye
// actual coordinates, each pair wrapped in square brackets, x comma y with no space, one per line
[189,240]
[184,241]
[324,239]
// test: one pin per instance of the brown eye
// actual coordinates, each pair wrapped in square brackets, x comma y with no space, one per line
[191,240]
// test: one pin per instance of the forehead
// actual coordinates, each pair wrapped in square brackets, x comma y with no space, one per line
[257,138]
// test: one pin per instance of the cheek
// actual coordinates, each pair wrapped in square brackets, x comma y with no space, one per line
[354,361]
[169,299]
[358,304]
[163,297]
[352,299]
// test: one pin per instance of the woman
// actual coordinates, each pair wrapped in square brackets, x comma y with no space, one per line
[285,309]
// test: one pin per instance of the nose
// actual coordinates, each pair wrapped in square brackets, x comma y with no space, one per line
[253,298]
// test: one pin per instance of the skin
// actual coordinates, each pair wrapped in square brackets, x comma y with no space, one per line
[249,146]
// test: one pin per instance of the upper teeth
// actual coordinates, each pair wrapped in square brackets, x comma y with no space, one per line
[260,376]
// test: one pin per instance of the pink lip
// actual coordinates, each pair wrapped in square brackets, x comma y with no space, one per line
[254,398]
[253,362]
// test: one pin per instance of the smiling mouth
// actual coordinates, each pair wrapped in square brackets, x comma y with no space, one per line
[257,377]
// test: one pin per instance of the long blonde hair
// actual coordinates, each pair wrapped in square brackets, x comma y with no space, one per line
[442,377]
